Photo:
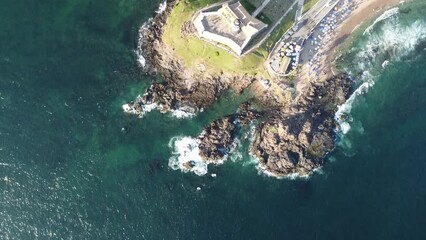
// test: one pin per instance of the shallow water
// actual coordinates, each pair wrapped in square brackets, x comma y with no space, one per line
[74,166]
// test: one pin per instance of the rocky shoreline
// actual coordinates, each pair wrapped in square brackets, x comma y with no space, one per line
[291,139]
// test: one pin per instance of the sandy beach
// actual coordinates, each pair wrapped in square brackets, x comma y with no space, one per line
[361,12]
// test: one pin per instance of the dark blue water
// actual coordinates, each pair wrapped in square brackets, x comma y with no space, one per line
[69,171]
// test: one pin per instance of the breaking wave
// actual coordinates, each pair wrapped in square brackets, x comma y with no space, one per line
[388,14]
[264,172]
[384,43]
[145,108]
[186,156]
[162,7]
[139,51]
[184,112]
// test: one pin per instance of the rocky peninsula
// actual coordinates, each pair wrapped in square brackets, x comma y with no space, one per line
[294,130]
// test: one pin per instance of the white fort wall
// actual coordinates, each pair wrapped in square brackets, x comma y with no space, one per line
[198,22]
[247,30]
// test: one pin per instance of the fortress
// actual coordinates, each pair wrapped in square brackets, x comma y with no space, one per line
[228,24]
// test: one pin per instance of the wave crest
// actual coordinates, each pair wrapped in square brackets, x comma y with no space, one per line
[384,43]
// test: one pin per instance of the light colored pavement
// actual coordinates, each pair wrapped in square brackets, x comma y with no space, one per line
[299,10]
[301,30]
[312,18]
[271,29]
[259,9]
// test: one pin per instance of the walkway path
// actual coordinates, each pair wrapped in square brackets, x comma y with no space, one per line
[259,9]
[301,30]
[299,10]
[271,29]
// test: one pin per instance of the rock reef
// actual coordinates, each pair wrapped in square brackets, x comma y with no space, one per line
[290,139]
[296,143]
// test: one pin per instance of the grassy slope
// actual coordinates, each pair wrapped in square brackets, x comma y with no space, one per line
[194,51]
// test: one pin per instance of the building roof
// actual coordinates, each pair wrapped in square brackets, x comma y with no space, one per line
[230,24]
[245,18]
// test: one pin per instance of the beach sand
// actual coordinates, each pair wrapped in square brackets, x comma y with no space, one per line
[365,11]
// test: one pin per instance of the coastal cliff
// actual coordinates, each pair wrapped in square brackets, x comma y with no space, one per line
[293,135]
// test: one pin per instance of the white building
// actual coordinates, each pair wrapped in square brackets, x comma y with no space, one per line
[229,24]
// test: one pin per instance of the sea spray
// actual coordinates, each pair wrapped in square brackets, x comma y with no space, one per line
[141,59]
[184,112]
[388,14]
[293,176]
[141,107]
[144,108]
[139,50]
[342,115]
[186,156]
[162,7]
[385,42]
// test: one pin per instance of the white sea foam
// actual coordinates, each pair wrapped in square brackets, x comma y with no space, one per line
[236,153]
[127,108]
[385,63]
[236,156]
[183,112]
[186,154]
[162,7]
[342,115]
[139,53]
[387,14]
[263,171]
[145,108]
[386,44]
[141,60]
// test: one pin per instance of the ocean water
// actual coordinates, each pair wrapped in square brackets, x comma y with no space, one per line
[74,166]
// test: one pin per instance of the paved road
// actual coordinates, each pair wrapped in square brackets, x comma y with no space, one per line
[312,18]
[259,9]
[299,10]
[303,28]
[272,28]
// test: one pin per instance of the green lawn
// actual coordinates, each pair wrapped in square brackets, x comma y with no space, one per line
[194,51]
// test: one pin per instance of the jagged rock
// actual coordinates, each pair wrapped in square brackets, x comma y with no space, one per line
[293,138]
[299,142]
[218,137]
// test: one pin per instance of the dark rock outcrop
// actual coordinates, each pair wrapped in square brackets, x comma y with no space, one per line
[217,139]
[298,143]
[290,140]
[182,86]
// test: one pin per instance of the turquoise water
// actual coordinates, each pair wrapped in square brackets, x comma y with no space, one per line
[68,170]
